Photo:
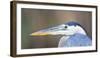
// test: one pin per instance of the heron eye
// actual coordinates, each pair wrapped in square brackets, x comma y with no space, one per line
[65,26]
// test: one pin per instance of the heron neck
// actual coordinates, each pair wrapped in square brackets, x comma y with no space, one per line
[81,31]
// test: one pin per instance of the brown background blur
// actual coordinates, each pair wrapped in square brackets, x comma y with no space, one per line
[36,19]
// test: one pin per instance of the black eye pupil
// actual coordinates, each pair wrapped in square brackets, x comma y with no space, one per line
[65,26]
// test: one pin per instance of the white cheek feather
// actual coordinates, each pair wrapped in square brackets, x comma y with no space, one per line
[62,40]
[80,30]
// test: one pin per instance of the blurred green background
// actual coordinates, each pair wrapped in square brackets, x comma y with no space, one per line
[33,20]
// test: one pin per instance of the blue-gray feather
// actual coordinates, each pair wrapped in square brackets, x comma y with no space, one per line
[77,40]
[72,24]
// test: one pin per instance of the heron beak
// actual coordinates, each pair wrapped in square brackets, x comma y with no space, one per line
[40,33]
[51,31]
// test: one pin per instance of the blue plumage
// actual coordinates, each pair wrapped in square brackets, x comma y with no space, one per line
[76,40]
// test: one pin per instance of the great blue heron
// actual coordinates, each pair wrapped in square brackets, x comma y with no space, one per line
[73,34]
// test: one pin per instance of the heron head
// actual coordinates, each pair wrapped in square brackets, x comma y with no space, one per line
[69,28]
